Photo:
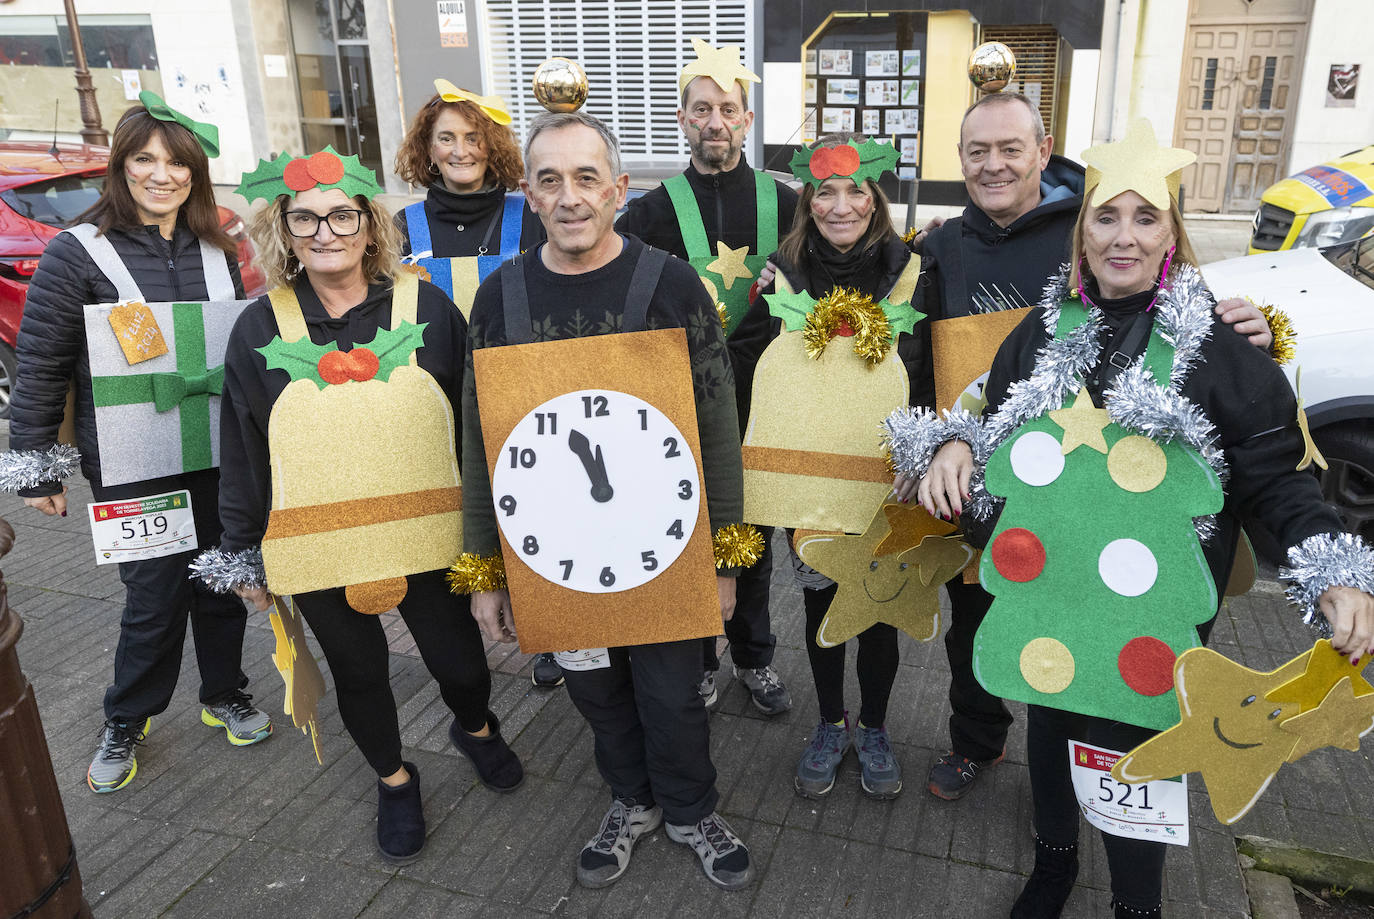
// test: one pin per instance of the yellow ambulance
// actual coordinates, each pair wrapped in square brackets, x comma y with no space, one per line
[1327,205]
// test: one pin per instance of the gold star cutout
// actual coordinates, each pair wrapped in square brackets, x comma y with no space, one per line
[1325,668]
[1310,453]
[720,64]
[1135,163]
[729,264]
[1082,424]
[908,524]
[870,583]
[1227,731]
[1342,718]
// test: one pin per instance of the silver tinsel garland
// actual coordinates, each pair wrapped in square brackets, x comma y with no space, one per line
[1322,561]
[225,572]
[31,468]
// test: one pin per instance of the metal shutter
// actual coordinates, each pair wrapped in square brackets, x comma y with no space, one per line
[632,53]
[1037,61]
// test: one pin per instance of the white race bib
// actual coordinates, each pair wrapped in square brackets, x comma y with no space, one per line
[583,659]
[1157,811]
[135,529]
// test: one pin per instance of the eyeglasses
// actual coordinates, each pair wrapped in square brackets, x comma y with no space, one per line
[304,224]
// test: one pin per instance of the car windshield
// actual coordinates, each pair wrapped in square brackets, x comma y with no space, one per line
[56,202]
[1356,261]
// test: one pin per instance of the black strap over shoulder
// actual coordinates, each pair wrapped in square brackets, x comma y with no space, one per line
[515,299]
[956,285]
[648,267]
[515,302]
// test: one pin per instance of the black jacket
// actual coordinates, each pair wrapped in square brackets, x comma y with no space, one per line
[250,389]
[446,211]
[728,211]
[1002,268]
[52,335]
[877,271]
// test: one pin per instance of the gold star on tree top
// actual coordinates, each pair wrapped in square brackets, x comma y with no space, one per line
[729,264]
[1135,163]
[1083,424]
[720,64]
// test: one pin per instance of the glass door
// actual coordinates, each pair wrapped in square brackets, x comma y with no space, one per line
[334,70]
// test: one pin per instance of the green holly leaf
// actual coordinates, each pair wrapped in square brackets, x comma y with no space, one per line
[300,359]
[875,158]
[800,165]
[358,180]
[394,347]
[792,309]
[901,316]
[266,181]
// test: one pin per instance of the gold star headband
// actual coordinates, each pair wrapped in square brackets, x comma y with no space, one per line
[720,64]
[1135,163]
[493,106]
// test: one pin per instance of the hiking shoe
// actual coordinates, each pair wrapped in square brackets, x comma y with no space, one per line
[880,775]
[952,775]
[606,856]
[821,759]
[243,723]
[709,696]
[723,855]
[766,689]
[114,765]
[546,674]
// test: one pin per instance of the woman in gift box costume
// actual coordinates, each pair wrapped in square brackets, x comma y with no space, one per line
[341,488]
[1129,435]
[153,236]
[844,255]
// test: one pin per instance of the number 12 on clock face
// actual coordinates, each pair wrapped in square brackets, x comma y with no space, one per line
[596,491]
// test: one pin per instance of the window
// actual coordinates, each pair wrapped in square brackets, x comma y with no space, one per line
[1209,84]
[56,202]
[119,42]
[1267,85]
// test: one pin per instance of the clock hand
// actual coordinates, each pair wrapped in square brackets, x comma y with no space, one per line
[595,466]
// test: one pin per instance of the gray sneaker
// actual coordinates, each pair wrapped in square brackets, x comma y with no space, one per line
[821,759]
[606,856]
[708,691]
[724,857]
[766,689]
[880,775]
[243,723]
[115,765]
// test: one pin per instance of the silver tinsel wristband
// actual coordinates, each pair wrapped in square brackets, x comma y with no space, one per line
[1323,561]
[31,468]
[226,572]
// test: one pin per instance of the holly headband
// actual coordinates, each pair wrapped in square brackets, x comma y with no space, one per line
[207,135]
[849,160]
[288,175]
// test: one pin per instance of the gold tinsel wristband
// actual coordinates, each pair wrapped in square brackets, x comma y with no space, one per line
[1284,347]
[738,545]
[473,573]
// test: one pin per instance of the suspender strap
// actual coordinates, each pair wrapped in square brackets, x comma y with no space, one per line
[642,285]
[906,282]
[103,253]
[218,284]
[766,210]
[689,221]
[417,227]
[405,305]
[956,285]
[515,301]
[286,309]
[512,220]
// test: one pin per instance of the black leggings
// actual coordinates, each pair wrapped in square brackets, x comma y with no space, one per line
[355,646]
[877,664]
[1136,865]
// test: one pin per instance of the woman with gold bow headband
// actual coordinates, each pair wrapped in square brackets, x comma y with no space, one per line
[153,235]
[1130,435]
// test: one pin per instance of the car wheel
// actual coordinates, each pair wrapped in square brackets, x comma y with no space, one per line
[1348,482]
[8,367]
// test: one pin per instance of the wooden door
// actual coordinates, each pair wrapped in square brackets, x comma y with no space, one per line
[1263,129]
[1208,99]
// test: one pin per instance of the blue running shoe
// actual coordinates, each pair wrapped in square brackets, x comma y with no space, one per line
[880,773]
[821,759]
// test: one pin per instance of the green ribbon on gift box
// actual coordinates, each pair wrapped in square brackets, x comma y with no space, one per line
[189,388]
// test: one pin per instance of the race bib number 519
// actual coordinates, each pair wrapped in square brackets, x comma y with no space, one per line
[141,528]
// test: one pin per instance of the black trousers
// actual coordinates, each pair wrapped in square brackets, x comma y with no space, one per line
[1137,865]
[652,734]
[978,720]
[876,665]
[159,596]
[355,646]
[749,630]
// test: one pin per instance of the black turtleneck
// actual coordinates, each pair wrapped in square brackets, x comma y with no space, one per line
[459,222]
[728,211]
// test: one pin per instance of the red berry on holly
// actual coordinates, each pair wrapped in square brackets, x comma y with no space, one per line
[820,163]
[325,167]
[845,330]
[334,367]
[362,364]
[844,161]
[297,175]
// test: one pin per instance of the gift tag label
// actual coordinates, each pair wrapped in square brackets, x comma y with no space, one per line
[137,331]
[583,659]
[1157,811]
[141,528]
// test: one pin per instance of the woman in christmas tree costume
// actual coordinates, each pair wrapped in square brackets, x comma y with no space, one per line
[342,385]
[842,243]
[1130,437]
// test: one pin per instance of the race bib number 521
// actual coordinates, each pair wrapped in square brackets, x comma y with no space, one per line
[1157,811]
[141,528]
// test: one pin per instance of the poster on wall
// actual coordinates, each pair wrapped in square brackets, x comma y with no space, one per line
[842,92]
[873,122]
[836,62]
[911,63]
[837,119]
[880,63]
[810,91]
[810,68]
[911,92]
[881,92]
[453,23]
[1341,84]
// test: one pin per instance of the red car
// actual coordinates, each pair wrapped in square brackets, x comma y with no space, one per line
[41,195]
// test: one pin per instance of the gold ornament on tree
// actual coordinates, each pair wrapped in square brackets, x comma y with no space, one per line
[991,67]
[560,85]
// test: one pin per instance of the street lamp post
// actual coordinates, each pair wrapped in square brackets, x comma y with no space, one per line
[91,131]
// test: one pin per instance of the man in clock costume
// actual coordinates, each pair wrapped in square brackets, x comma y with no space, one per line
[725,218]
[650,724]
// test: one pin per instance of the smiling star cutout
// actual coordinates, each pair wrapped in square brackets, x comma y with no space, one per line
[904,555]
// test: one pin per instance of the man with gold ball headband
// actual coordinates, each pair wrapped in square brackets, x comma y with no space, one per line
[725,218]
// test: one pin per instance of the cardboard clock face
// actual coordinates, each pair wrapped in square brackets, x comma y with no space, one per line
[596,461]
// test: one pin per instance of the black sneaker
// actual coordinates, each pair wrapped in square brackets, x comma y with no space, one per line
[710,697]
[724,857]
[953,775]
[546,674]
[765,688]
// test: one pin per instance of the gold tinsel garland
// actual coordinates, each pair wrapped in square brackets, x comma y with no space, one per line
[1284,348]
[738,545]
[724,316]
[473,573]
[846,306]
[909,235]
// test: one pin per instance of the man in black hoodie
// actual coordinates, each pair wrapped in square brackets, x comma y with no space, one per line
[999,254]
[709,215]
